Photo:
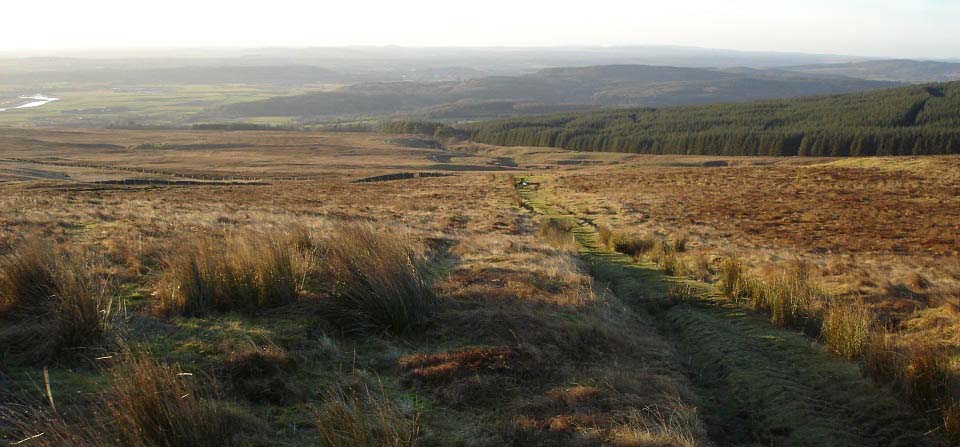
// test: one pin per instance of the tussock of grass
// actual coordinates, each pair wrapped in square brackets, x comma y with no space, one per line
[248,271]
[629,244]
[920,372]
[700,268]
[260,373]
[359,418]
[846,328]
[680,244]
[150,404]
[790,297]
[378,284]
[29,277]
[926,375]
[558,232]
[951,422]
[678,426]
[733,280]
[158,404]
[667,260]
[53,301]
[880,359]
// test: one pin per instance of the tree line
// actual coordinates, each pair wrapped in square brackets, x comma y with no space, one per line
[435,129]
[915,120]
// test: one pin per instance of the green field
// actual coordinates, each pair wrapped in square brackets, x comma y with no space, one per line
[177,105]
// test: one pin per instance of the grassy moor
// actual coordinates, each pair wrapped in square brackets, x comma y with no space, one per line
[170,287]
[509,224]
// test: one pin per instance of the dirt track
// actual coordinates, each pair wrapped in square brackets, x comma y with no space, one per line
[757,384]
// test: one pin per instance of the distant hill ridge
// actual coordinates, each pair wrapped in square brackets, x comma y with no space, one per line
[561,88]
[915,120]
[899,69]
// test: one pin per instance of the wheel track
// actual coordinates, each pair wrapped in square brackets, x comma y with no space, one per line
[758,384]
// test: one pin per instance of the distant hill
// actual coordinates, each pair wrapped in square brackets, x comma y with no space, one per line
[901,121]
[888,70]
[230,74]
[557,88]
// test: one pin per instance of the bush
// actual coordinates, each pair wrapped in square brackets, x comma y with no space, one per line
[351,418]
[53,302]
[248,271]
[378,284]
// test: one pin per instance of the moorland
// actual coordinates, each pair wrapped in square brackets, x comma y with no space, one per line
[209,287]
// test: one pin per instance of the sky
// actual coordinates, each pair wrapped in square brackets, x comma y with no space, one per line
[876,28]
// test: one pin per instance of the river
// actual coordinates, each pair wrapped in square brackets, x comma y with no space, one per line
[34,101]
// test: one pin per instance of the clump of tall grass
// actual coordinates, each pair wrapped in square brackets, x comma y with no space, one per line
[951,422]
[653,426]
[516,199]
[926,374]
[790,297]
[847,328]
[881,357]
[920,372]
[635,245]
[246,271]
[667,260]
[359,418]
[558,232]
[377,282]
[680,244]
[260,373]
[733,279]
[605,235]
[153,403]
[53,301]
[699,267]
[149,404]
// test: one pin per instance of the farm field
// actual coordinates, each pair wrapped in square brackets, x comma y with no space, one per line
[99,105]
[305,288]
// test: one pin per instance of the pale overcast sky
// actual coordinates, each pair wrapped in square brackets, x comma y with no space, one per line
[892,28]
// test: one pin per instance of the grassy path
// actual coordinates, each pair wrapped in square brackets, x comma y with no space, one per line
[758,384]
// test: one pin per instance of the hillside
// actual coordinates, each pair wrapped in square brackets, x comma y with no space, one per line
[558,88]
[908,120]
[888,70]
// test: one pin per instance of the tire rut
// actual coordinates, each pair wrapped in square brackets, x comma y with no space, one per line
[758,384]
[766,386]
